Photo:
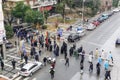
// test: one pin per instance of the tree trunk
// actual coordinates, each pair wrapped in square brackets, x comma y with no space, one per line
[37,26]
[18,21]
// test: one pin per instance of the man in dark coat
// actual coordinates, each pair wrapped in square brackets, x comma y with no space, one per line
[36,56]
[52,71]
[71,51]
[26,59]
[80,49]
[67,61]
[57,50]
[13,63]
[45,61]
[2,65]
[98,68]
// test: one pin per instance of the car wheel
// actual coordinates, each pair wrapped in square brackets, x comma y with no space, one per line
[116,45]
[31,74]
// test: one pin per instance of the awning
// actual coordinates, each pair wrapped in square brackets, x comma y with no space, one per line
[47,8]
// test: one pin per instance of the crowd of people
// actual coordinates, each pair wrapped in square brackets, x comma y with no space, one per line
[51,45]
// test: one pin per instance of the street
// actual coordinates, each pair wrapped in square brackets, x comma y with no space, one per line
[103,37]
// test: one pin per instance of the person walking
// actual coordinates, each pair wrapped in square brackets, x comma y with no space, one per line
[99,60]
[13,63]
[91,67]
[32,52]
[53,65]
[110,57]
[90,56]
[37,56]
[82,56]
[52,71]
[107,75]
[71,51]
[26,59]
[2,65]
[67,62]
[80,49]
[106,65]
[81,68]
[96,53]
[103,55]
[98,68]
[45,61]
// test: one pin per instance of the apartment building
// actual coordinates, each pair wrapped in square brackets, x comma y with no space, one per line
[2,29]
[41,4]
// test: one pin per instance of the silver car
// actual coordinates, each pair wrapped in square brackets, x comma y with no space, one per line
[29,68]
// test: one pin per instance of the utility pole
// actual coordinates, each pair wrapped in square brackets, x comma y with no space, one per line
[83,13]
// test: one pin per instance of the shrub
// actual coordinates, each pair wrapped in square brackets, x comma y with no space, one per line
[9,31]
[44,26]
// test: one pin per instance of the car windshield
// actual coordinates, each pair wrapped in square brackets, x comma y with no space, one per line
[23,69]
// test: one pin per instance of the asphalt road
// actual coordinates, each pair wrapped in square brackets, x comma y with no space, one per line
[103,37]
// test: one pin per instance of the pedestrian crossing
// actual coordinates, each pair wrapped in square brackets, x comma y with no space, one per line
[24,78]
[85,76]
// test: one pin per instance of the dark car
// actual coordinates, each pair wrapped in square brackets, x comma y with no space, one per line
[110,13]
[117,42]
[73,37]
[8,45]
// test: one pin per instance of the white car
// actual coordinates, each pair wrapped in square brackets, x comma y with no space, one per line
[80,30]
[116,10]
[90,26]
[29,68]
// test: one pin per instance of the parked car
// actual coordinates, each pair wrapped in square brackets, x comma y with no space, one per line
[8,45]
[90,26]
[73,37]
[110,13]
[102,18]
[116,10]
[117,42]
[96,23]
[79,29]
[29,68]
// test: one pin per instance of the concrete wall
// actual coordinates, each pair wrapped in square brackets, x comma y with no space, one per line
[2,29]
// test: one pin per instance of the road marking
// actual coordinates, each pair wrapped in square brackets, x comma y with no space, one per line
[11,66]
[91,43]
[34,79]
[76,76]
[27,78]
[10,50]
[13,57]
[18,78]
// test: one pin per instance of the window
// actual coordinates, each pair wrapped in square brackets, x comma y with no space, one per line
[33,67]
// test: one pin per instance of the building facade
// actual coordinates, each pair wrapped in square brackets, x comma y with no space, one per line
[106,4]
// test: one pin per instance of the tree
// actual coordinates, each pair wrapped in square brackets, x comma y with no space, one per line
[93,5]
[7,15]
[115,3]
[19,10]
[60,8]
[9,31]
[34,17]
[46,15]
